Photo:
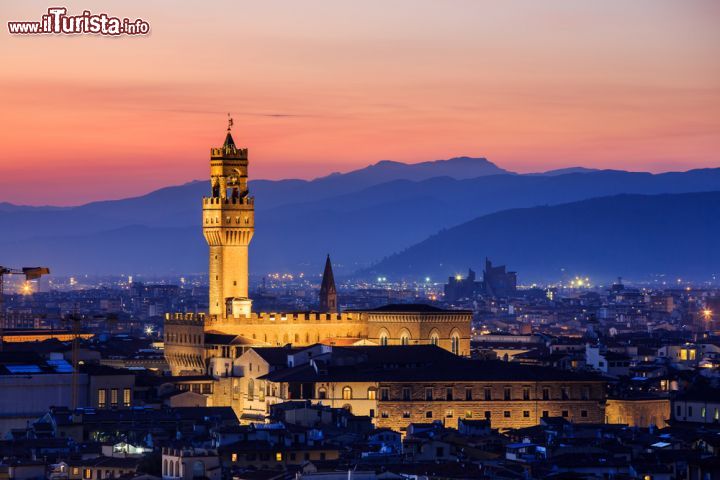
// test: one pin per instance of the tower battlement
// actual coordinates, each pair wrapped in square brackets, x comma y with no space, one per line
[228,151]
[185,319]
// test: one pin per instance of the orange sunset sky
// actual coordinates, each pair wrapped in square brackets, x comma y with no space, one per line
[323,86]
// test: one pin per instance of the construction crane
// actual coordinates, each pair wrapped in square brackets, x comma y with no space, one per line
[31,273]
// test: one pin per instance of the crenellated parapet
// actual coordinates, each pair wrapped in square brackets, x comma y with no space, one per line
[189,319]
[280,318]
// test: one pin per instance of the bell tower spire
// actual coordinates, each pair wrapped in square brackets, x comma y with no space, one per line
[328,292]
[228,227]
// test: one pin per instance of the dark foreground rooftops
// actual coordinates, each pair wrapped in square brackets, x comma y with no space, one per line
[424,363]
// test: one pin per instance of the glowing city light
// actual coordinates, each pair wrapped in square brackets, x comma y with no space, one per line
[149,330]
[26,289]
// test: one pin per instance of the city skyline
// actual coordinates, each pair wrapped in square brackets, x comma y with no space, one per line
[338,87]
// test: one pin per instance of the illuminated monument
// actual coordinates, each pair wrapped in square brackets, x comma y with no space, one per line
[228,226]
[209,343]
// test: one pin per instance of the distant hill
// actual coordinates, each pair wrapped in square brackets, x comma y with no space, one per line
[624,235]
[565,171]
[359,217]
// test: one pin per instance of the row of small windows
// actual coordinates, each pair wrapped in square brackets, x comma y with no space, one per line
[171,337]
[102,397]
[450,393]
[703,412]
[210,220]
[487,414]
[434,340]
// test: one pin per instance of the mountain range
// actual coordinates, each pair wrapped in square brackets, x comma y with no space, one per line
[358,217]
[675,235]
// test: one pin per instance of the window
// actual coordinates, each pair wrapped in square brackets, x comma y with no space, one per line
[102,398]
[384,339]
[372,413]
[428,394]
[455,344]
[506,393]
[703,411]
[545,414]
[585,393]
[278,457]
[76,471]
[468,413]
[406,414]
[468,394]
[506,414]
[384,394]
[565,393]
[434,340]
[126,397]
[526,413]
[347,393]
[233,457]
[404,339]
[428,414]
[449,413]
[546,393]
[87,473]
[322,393]
[114,397]
[488,393]
[384,414]
[583,413]
[488,414]
[372,393]
[406,393]
[449,393]
[526,393]
[565,414]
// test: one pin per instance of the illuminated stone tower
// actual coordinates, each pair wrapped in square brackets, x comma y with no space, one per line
[228,226]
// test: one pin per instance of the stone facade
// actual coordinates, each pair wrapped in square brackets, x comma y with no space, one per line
[509,404]
[638,412]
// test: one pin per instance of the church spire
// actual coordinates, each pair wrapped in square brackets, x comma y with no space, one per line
[328,293]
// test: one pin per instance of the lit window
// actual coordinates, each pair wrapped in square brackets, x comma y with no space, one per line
[278,457]
[114,397]
[347,393]
[126,397]
[372,393]
[102,398]
[233,457]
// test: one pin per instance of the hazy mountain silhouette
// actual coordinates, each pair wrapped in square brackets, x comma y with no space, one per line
[359,217]
[623,235]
